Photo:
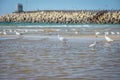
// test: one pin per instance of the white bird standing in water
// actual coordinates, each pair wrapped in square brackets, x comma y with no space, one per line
[76,32]
[107,33]
[108,39]
[92,46]
[96,34]
[10,30]
[17,33]
[62,38]
[4,32]
[117,33]
[112,33]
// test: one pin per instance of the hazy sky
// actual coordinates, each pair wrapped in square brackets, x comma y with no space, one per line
[9,6]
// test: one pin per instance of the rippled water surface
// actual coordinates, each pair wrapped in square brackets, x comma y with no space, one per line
[42,56]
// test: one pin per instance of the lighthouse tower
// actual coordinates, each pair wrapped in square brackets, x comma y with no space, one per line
[19,8]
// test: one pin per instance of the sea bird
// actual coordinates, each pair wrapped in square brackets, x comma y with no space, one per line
[4,32]
[118,33]
[96,34]
[62,39]
[108,39]
[112,33]
[92,45]
[17,33]
[107,33]
[10,30]
[76,32]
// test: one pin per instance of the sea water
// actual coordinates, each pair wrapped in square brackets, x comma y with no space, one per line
[38,53]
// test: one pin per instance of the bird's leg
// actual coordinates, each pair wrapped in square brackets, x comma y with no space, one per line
[96,36]
[93,49]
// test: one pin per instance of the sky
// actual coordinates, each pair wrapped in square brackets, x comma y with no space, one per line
[9,6]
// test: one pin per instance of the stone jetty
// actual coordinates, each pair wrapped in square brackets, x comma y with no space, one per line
[62,16]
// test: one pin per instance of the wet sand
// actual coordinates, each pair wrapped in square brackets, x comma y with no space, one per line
[42,56]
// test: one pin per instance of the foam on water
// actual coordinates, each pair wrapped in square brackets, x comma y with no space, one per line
[33,25]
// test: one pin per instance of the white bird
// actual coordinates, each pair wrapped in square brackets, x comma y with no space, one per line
[118,33]
[62,38]
[4,32]
[97,33]
[76,32]
[106,33]
[112,33]
[108,39]
[17,33]
[10,30]
[93,44]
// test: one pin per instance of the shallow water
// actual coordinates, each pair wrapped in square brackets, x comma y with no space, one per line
[41,55]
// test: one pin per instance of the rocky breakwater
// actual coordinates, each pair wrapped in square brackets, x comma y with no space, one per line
[102,16]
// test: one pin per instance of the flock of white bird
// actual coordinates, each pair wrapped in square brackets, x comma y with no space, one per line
[63,39]
[108,39]
[5,32]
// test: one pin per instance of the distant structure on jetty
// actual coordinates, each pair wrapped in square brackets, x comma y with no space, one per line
[19,8]
[63,16]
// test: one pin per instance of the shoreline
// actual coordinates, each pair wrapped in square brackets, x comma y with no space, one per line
[84,37]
